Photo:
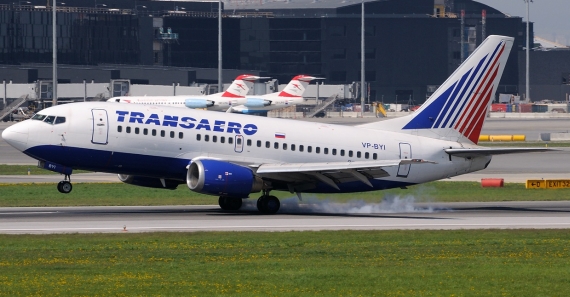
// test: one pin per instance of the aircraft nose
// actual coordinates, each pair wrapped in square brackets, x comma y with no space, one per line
[17,136]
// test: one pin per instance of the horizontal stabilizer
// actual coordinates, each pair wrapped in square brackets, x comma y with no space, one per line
[478,152]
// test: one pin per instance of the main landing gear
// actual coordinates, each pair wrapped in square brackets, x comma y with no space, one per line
[265,204]
[268,204]
[65,186]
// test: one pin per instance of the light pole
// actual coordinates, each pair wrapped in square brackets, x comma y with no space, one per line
[362,79]
[54,50]
[220,85]
[527,49]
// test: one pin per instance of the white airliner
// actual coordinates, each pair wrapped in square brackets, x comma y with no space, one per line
[232,155]
[234,95]
[291,95]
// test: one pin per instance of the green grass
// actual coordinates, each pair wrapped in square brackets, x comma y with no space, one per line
[103,194]
[23,170]
[328,263]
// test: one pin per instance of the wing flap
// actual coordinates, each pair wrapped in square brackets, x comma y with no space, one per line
[478,152]
[334,166]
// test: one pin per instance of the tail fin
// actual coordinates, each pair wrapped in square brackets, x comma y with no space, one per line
[456,111]
[240,86]
[296,87]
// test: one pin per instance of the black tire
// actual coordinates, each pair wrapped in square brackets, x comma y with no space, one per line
[268,204]
[59,187]
[66,187]
[230,203]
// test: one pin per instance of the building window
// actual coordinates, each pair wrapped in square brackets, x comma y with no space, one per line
[339,76]
[337,30]
[338,54]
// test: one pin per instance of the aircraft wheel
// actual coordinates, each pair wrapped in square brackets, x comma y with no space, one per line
[64,187]
[229,203]
[268,204]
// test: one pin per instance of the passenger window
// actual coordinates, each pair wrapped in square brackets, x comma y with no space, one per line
[137,130]
[223,139]
[145,131]
[50,119]
[342,153]
[293,147]
[318,150]
[284,146]
[153,132]
[358,154]
[162,133]
[267,144]
[366,155]
[249,142]
[128,129]
[119,129]
[326,150]
[375,156]
[214,138]
[301,148]
[259,143]
[180,135]
[350,154]
[230,140]
[334,152]
[276,145]
[172,134]
[206,137]
[59,120]
[309,149]
[198,137]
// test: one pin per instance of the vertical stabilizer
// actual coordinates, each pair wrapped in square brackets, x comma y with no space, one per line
[456,111]
[296,87]
[240,86]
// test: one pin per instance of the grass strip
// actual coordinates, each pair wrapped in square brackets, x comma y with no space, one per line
[23,170]
[327,263]
[117,194]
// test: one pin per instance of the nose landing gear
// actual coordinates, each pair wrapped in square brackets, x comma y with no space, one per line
[65,186]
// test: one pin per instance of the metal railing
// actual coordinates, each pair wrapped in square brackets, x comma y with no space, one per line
[322,106]
[13,106]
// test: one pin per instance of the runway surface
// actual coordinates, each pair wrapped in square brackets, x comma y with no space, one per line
[436,216]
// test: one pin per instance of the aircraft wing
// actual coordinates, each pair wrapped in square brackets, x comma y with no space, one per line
[332,173]
[478,152]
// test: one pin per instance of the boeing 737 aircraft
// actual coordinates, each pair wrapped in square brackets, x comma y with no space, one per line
[291,95]
[232,155]
[234,95]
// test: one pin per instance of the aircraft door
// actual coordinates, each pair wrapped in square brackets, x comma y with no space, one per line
[238,144]
[405,153]
[100,127]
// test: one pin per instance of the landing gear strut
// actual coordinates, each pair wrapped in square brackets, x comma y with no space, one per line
[229,203]
[268,204]
[65,186]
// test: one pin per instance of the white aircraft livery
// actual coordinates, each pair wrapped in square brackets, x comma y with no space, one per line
[234,95]
[291,95]
[232,155]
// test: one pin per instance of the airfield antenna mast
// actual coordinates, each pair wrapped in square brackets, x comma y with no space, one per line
[527,50]
[362,78]
[220,85]
[54,50]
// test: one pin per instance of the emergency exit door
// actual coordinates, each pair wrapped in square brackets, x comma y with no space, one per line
[100,127]
[405,154]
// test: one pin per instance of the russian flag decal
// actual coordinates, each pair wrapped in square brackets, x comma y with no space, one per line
[279,135]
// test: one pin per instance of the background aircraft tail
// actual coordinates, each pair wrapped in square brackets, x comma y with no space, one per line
[240,86]
[296,87]
[457,110]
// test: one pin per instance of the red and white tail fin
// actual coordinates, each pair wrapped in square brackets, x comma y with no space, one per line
[240,86]
[456,111]
[296,87]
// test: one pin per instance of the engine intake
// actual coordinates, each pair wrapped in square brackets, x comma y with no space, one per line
[149,182]
[221,178]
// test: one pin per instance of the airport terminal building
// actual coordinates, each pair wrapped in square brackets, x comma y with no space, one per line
[412,46]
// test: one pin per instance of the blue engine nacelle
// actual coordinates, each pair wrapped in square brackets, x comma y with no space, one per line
[198,103]
[221,178]
[149,182]
[254,102]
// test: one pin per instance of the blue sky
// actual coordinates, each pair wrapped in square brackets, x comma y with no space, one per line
[551,17]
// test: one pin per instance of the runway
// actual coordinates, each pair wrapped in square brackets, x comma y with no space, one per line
[422,216]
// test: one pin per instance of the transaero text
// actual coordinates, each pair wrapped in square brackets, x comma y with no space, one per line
[186,122]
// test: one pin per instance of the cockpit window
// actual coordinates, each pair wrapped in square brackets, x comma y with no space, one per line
[49,119]
[59,120]
[38,117]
